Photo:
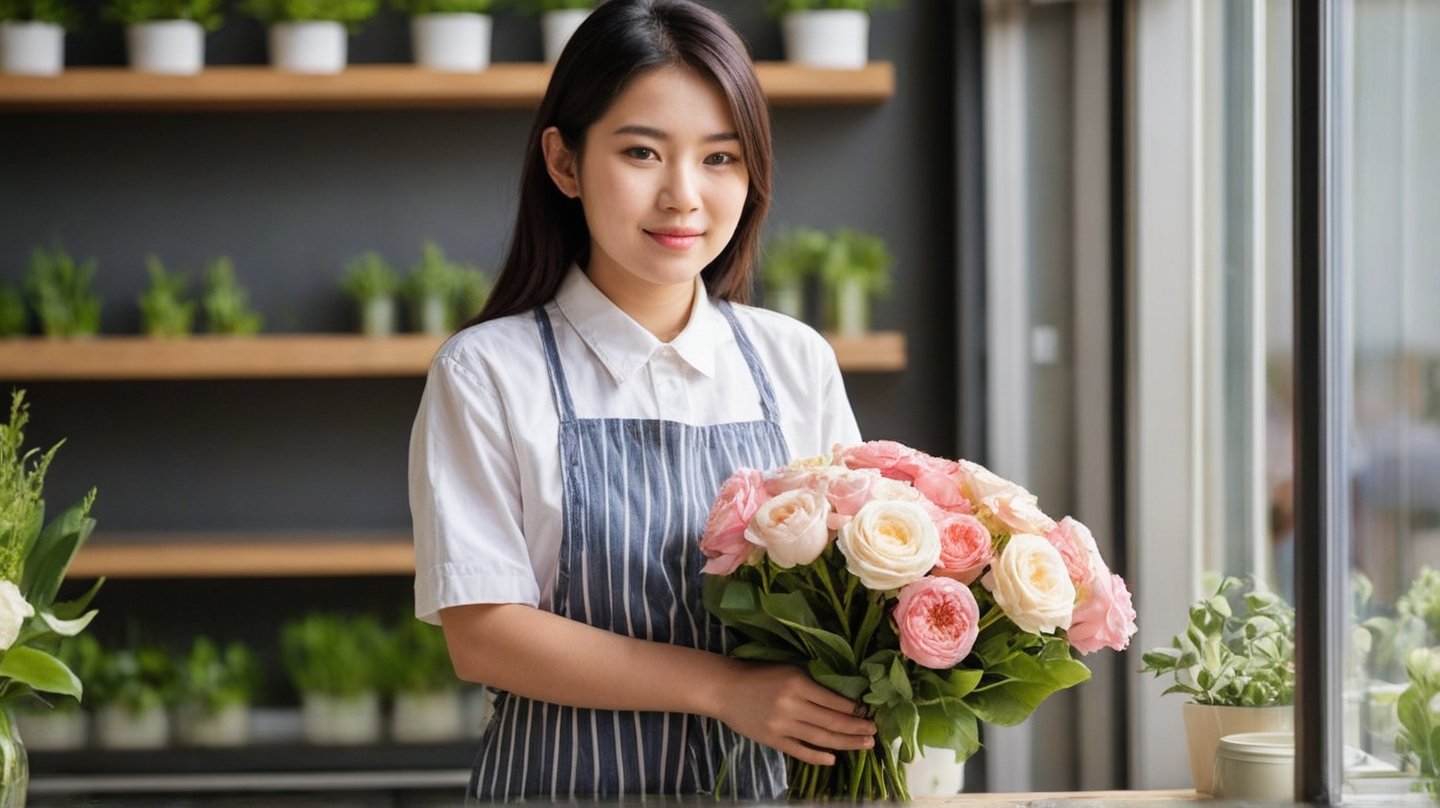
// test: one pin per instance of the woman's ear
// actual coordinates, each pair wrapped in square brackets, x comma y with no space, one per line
[560,162]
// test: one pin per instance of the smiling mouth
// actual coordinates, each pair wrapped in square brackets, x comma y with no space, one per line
[678,240]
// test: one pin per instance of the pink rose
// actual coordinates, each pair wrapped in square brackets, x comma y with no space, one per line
[881,455]
[1077,547]
[848,493]
[724,539]
[791,527]
[1105,616]
[940,481]
[965,547]
[1004,506]
[793,476]
[937,620]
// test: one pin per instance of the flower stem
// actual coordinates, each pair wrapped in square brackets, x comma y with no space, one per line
[822,566]
[990,617]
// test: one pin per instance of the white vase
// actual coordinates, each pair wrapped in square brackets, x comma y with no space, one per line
[457,43]
[828,38]
[377,316]
[228,726]
[935,773]
[171,47]
[119,727]
[32,48]
[786,298]
[316,46]
[426,717]
[54,730]
[850,308]
[557,26]
[432,315]
[1206,724]
[341,720]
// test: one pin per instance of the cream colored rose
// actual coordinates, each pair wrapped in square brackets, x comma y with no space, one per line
[1031,584]
[890,543]
[14,609]
[791,527]
[1004,506]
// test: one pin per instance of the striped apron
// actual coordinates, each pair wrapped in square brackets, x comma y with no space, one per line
[636,496]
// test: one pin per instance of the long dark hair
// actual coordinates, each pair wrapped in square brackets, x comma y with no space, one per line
[619,41]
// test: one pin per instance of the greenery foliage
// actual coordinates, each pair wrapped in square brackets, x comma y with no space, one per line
[209,13]
[164,311]
[370,277]
[60,292]
[1238,650]
[227,303]
[542,6]
[60,12]
[136,679]
[333,654]
[353,13]
[780,8]
[213,679]
[14,316]
[472,289]
[1419,740]
[794,256]
[859,257]
[418,661]
[417,7]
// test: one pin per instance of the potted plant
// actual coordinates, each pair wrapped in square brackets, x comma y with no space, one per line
[61,294]
[164,311]
[431,288]
[425,695]
[1418,740]
[227,303]
[472,290]
[309,36]
[331,661]
[134,689]
[449,35]
[57,725]
[790,260]
[558,20]
[826,33]
[216,690]
[32,36]
[166,36]
[14,317]
[1236,661]
[370,280]
[855,266]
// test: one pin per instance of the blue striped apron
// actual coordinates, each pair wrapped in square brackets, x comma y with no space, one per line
[636,496]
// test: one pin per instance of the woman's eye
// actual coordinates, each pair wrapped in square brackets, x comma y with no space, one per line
[720,159]
[640,153]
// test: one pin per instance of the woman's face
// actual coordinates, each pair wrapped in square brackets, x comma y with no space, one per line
[661,180]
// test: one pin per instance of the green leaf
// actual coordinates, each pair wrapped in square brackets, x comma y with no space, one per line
[849,686]
[46,565]
[792,610]
[767,653]
[67,628]
[949,724]
[40,671]
[71,609]
[900,680]
[961,682]
[736,604]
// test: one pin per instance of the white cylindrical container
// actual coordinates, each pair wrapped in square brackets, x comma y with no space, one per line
[119,727]
[1255,766]
[228,726]
[786,298]
[557,27]
[377,316]
[346,720]
[172,47]
[32,48]
[432,315]
[829,38]
[316,46]
[53,731]
[427,717]
[851,308]
[458,43]
[935,773]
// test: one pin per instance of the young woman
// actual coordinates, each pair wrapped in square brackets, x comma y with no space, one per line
[571,437]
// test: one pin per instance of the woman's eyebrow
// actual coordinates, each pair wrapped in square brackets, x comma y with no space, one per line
[652,132]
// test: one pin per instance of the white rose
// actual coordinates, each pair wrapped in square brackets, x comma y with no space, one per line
[14,610]
[1031,584]
[889,544]
[1004,505]
[791,527]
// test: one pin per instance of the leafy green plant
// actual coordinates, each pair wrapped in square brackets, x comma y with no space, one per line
[333,654]
[472,289]
[14,316]
[780,8]
[137,679]
[60,12]
[1422,601]
[418,661]
[164,311]
[352,13]
[542,6]
[213,679]
[418,7]
[852,256]
[1418,742]
[60,292]
[82,655]
[227,303]
[794,256]
[34,556]
[1238,650]
[432,287]
[209,13]
[370,277]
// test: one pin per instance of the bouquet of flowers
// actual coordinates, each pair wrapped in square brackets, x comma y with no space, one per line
[933,591]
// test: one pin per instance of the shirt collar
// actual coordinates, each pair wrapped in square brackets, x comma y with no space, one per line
[622,345]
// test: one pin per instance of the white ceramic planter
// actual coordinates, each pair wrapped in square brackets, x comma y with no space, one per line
[1255,767]
[935,773]
[171,47]
[308,47]
[1206,724]
[117,727]
[227,727]
[347,721]
[457,43]
[432,315]
[850,308]
[786,298]
[377,317]
[830,38]
[32,48]
[53,731]
[557,26]
[426,717]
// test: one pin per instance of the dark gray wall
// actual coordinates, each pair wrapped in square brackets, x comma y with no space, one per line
[291,196]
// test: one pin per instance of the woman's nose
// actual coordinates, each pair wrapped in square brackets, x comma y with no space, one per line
[682,189]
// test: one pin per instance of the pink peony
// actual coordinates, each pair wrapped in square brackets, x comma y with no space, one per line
[882,455]
[848,493]
[1077,547]
[1105,616]
[965,547]
[937,620]
[940,481]
[724,539]
[1004,506]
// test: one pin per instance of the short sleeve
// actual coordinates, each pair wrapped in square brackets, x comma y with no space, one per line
[837,418]
[465,503]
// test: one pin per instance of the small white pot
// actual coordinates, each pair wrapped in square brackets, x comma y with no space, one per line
[227,727]
[426,717]
[348,721]
[377,316]
[432,315]
[786,298]
[1255,766]
[935,773]
[829,38]
[117,727]
[172,47]
[557,27]
[458,43]
[850,307]
[53,731]
[316,46]
[1206,724]
[32,48]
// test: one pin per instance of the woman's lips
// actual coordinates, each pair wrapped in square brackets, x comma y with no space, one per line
[676,239]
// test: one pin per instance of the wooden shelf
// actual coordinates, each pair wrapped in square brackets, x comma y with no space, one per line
[378,86]
[233,556]
[306,356]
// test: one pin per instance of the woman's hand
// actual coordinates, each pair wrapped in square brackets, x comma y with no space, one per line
[781,707]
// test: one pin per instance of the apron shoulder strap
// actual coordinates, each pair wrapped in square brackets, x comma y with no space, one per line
[552,362]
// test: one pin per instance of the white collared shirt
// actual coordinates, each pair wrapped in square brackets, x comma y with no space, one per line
[485,477]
